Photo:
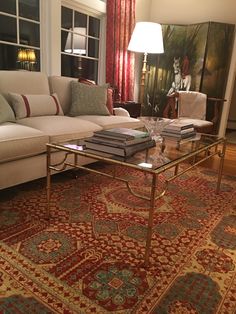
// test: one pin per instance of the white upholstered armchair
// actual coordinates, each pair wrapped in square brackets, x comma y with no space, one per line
[191,107]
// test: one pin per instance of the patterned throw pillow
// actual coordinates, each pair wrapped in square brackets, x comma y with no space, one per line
[88,100]
[35,105]
[109,102]
[6,113]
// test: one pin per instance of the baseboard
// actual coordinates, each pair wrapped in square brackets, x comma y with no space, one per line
[231,124]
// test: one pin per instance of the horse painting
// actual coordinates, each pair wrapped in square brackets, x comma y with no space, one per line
[182,79]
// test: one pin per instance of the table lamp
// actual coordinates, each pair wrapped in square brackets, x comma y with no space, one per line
[77,45]
[26,58]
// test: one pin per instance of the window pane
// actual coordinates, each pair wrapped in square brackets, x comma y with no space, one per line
[94,27]
[80,20]
[77,46]
[79,67]
[9,59]
[65,44]
[80,41]
[8,28]
[29,33]
[29,9]
[93,48]
[8,6]
[66,18]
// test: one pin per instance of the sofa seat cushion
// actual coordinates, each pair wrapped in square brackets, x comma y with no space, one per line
[107,122]
[61,128]
[19,141]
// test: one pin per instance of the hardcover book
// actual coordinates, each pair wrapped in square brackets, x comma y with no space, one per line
[122,133]
[184,131]
[178,135]
[117,142]
[179,126]
[126,151]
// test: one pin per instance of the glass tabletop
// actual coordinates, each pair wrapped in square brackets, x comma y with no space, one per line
[162,155]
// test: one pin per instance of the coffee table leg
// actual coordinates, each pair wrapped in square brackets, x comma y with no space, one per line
[48,180]
[150,220]
[222,156]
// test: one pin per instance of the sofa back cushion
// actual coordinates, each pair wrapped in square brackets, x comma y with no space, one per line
[88,100]
[6,113]
[61,86]
[23,82]
[35,105]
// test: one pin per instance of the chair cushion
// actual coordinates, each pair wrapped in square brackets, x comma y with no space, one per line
[88,100]
[196,122]
[18,141]
[61,128]
[35,105]
[6,112]
[192,104]
[107,122]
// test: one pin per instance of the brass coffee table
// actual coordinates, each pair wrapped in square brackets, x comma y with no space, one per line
[153,162]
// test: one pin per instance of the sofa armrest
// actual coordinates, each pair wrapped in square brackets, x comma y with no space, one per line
[121,112]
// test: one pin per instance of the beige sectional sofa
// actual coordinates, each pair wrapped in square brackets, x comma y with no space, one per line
[23,141]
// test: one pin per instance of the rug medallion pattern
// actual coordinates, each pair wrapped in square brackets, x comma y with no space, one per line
[88,258]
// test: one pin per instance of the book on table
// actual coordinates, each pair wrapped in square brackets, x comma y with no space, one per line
[125,151]
[178,135]
[178,126]
[184,131]
[176,140]
[178,131]
[117,142]
[121,133]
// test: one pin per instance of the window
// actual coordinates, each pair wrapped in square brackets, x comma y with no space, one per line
[20,35]
[80,42]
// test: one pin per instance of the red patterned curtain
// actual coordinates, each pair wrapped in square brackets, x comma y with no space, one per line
[120,62]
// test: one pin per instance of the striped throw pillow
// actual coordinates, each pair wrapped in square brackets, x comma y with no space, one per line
[35,105]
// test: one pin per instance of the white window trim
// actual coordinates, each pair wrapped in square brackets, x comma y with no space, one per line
[51,33]
[95,8]
[18,19]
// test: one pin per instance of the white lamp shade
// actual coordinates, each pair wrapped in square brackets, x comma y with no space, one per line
[79,41]
[147,38]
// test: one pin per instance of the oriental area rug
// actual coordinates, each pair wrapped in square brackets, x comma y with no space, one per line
[88,258]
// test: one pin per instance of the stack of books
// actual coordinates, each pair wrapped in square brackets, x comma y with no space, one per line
[120,141]
[178,131]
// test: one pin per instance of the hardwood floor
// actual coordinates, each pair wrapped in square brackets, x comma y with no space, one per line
[229,163]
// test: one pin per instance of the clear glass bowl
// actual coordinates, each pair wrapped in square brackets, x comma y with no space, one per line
[155,125]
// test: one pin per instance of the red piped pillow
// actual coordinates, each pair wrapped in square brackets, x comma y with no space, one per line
[35,105]
[109,102]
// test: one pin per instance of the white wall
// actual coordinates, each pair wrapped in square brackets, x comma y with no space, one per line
[195,11]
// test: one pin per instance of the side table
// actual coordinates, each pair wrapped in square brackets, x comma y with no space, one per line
[134,108]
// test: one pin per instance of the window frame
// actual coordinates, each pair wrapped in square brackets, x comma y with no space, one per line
[19,18]
[80,8]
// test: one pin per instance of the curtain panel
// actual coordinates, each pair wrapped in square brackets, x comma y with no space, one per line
[119,61]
